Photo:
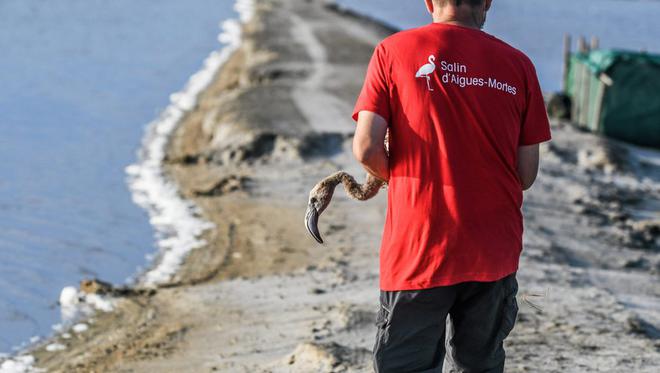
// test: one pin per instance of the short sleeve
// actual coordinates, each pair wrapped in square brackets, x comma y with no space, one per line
[375,96]
[535,126]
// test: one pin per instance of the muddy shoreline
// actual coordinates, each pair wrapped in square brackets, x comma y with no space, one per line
[262,296]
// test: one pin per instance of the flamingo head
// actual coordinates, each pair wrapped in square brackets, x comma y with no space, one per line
[431,58]
[319,199]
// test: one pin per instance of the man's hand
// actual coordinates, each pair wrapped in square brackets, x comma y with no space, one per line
[528,165]
[368,144]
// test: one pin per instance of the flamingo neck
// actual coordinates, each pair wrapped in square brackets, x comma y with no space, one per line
[348,181]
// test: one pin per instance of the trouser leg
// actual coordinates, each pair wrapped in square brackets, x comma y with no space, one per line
[481,318]
[411,330]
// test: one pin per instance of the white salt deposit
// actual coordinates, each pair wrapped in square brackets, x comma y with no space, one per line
[54,347]
[19,364]
[80,328]
[75,304]
[177,222]
[99,303]
[69,304]
[245,9]
[69,296]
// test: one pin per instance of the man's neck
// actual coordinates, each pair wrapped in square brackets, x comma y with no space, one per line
[459,23]
[465,17]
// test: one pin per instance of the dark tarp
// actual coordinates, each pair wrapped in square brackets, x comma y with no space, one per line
[617,93]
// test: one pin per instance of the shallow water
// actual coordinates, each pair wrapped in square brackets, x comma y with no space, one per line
[79,81]
[537,27]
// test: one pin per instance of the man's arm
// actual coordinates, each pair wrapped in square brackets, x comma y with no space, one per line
[528,164]
[368,144]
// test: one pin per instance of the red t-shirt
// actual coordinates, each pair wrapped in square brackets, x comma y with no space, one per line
[458,102]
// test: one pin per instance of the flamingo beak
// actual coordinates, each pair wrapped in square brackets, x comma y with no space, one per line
[311,222]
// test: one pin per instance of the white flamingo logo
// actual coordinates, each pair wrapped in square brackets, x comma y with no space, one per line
[427,70]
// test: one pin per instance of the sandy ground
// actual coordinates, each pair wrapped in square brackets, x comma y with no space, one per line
[264,297]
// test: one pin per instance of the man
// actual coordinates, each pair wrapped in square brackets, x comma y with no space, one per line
[466,116]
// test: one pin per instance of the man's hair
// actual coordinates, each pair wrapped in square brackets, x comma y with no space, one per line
[459,2]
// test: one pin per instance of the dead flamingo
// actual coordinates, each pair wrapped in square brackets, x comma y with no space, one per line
[321,195]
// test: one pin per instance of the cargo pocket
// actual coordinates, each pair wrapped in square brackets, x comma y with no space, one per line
[381,316]
[382,323]
[510,307]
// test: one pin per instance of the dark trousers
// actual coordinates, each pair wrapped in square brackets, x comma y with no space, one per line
[413,325]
